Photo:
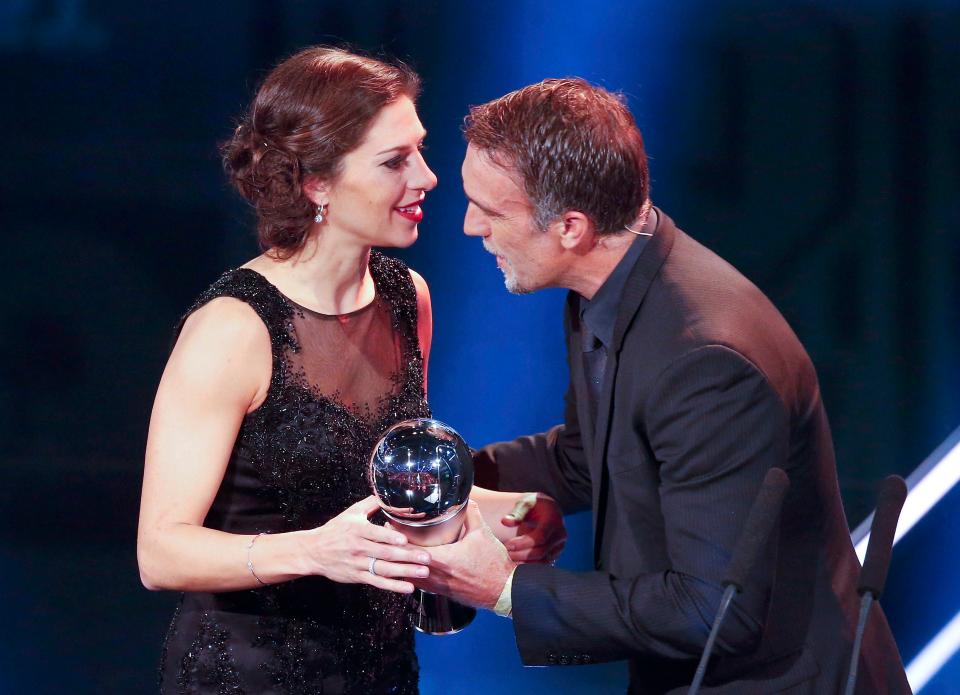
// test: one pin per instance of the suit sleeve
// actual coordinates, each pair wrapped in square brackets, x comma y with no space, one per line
[715,426]
[552,462]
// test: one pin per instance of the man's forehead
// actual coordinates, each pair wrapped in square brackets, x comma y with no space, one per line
[496,160]
[491,174]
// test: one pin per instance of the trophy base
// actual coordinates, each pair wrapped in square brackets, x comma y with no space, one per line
[438,615]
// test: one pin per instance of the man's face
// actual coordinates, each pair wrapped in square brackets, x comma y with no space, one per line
[499,212]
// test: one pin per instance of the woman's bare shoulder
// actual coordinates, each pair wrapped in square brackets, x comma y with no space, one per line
[224,318]
[223,339]
[423,290]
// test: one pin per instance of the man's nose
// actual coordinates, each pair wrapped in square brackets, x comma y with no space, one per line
[473,222]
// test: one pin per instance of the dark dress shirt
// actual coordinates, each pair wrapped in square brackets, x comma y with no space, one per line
[599,315]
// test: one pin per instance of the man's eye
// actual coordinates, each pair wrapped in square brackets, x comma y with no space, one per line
[395,163]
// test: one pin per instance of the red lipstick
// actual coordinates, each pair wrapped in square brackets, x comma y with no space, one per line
[411,211]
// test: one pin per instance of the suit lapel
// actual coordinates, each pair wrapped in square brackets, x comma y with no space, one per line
[642,275]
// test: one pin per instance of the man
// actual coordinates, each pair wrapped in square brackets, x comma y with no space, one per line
[686,387]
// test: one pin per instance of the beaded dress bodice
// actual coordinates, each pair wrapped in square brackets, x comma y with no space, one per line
[300,459]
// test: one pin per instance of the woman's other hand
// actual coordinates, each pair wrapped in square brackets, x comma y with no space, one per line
[344,549]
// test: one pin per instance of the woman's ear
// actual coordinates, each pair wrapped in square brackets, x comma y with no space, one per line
[316,190]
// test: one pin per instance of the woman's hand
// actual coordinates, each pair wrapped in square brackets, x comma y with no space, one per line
[341,550]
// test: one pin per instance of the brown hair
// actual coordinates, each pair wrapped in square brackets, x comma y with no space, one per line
[311,110]
[575,146]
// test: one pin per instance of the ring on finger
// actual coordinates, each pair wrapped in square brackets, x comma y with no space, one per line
[371,567]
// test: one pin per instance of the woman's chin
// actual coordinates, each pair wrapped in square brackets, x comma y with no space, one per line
[408,239]
[395,238]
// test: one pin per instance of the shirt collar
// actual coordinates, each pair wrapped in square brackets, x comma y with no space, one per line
[599,315]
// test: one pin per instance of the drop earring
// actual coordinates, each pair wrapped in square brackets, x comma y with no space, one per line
[321,209]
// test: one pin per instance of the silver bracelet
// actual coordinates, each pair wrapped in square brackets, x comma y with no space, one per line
[250,562]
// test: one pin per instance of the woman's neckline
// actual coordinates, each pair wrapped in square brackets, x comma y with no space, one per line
[348,314]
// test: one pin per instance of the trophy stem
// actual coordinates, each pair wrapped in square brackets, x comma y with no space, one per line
[433,614]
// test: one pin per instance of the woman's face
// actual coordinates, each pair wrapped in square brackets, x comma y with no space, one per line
[376,198]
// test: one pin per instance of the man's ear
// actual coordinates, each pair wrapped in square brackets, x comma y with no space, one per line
[316,191]
[576,231]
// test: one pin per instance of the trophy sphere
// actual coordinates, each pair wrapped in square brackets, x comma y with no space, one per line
[421,470]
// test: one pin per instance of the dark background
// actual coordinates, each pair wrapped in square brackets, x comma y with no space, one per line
[816,148]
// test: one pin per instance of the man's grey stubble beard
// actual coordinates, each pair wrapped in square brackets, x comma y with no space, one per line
[514,287]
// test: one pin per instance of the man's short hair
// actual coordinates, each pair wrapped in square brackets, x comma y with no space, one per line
[575,146]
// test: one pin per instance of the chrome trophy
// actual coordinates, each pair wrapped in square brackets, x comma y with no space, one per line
[422,472]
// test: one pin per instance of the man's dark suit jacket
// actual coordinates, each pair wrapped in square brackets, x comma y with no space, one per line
[706,388]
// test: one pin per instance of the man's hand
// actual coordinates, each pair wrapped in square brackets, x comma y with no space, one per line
[541,535]
[473,570]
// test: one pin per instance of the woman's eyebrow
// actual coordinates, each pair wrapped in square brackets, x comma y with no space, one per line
[398,148]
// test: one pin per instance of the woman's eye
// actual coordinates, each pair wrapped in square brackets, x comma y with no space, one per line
[401,159]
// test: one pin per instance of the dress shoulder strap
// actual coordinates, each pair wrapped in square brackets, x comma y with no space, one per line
[255,290]
[394,284]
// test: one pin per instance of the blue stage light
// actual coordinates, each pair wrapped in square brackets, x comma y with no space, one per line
[933,479]
[928,484]
[938,652]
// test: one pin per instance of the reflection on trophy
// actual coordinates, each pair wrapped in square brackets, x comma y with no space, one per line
[422,473]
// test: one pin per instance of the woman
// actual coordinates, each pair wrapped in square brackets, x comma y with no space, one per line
[255,499]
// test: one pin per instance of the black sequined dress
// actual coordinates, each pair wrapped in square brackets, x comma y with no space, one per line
[299,460]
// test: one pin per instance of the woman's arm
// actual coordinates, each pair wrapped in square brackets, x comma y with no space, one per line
[529,524]
[219,371]
[496,506]
[424,321]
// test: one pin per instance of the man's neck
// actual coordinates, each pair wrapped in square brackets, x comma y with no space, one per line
[591,269]
[588,272]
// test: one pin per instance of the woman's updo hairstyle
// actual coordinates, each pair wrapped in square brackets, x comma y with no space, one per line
[311,110]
